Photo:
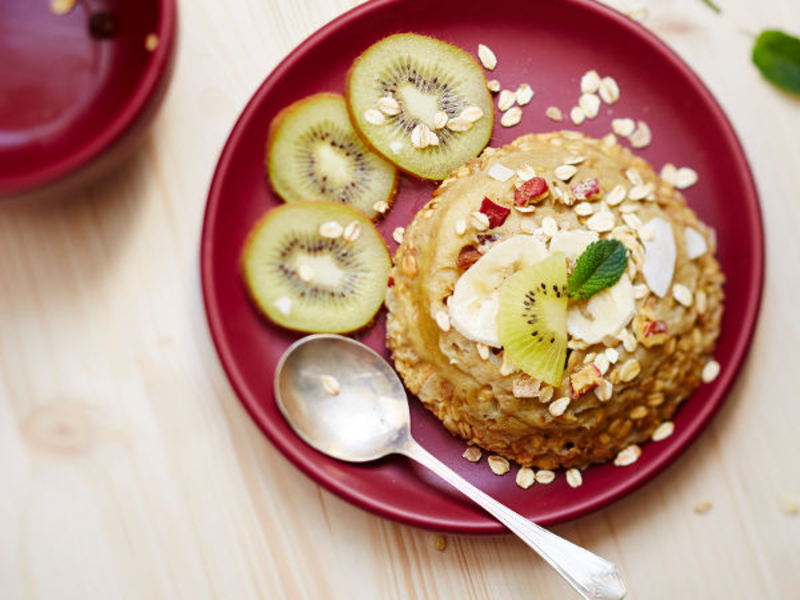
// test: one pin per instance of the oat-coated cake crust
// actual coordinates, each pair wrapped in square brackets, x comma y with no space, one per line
[469,389]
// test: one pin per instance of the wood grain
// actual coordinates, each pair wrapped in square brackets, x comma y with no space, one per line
[129,470]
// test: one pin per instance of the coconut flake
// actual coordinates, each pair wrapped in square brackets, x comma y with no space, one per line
[695,243]
[605,313]
[500,172]
[659,259]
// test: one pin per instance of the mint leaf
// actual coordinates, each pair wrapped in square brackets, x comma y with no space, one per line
[599,267]
[777,56]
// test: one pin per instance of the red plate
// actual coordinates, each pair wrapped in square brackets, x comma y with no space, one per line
[549,45]
[72,103]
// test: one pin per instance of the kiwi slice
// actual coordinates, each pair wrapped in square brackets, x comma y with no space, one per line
[532,319]
[313,153]
[316,267]
[413,80]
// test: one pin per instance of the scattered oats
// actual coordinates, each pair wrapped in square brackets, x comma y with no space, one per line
[498,465]
[419,136]
[151,42]
[493,86]
[703,507]
[565,172]
[634,177]
[331,230]
[574,160]
[443,320]
[557,407]
[524,94]
[396,146]
[283,304]
[640,290]
[526,172]
[479,221]
[623,127]
[557,193]
[440,119]
[682,294]
[500,172]
[640,412]
[511,117]
[545,476]
[431,139]
[608,141]
[628,456]
[62,7]
[398,233]
[483,350]
[461,227]
[663,431]
[668,172]
[604,391]
[330,384]
[632,221]
[629,207]
[628,340]
[701,301]
[577,115]
[788,504]
[439,542]
[554,114]
[684,178]
[352,231]
[602,363]
[471,113]
[374,116]
[306,273]
[487,57]
[410,265]
[616,195]
[507,367]
[549,226]
[609,90]
[506,100]
[642,137]
[601,221]
[472,454]
[584,209]
[589,357]
[590,82]
[612,355]
[459,125]
[641,191]
[381,207]
[388,106]
[590,105]
[710,371]
[574,478]
[524,386]
[525,477]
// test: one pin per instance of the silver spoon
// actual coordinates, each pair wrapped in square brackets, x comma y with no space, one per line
[347,402]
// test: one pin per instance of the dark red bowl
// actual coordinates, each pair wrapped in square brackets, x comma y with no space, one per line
[549,45]
[78,90]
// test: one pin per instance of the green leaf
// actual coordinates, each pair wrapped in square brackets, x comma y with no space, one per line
[777,56]
[599,267]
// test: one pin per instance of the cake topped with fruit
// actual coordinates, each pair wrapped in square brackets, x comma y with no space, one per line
[555,301]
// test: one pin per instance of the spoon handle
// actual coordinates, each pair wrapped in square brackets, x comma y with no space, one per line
[593,577]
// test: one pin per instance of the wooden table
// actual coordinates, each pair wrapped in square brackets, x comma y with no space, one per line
[129,469]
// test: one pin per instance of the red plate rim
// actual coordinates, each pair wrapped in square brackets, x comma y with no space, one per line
[128,115]
[681,439]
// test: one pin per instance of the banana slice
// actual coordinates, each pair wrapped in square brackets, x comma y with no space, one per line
[474,304]
[605,313]
[572,243]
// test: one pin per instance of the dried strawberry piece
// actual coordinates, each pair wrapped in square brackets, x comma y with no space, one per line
[587,378]
[654,328]
[532,191]
[586,190]
[497,214]
[391,282]
[468,256]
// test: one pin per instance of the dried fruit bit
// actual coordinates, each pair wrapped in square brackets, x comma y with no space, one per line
[525,477]
[532,191]
[586,190]
[439,542]
[472,454]
[654,328]
[628,456]
[467,257]
[497,214]
[584,380]
[498,465]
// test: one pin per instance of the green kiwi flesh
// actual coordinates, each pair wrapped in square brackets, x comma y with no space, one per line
[532,320]
[424,76]
[306,281]
[314,153]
